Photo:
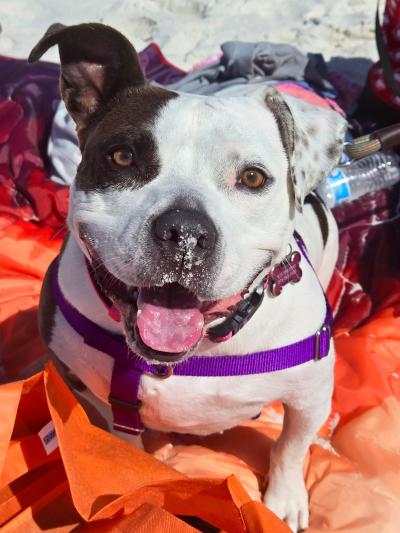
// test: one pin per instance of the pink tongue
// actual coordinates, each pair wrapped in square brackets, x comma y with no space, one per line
[168,319]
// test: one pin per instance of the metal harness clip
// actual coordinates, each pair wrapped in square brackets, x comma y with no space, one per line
[128,405]
[127,429]
[325,328]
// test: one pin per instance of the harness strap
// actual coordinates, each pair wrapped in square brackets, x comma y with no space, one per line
[129,367]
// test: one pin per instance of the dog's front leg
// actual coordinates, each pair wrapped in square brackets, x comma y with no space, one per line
[286,494]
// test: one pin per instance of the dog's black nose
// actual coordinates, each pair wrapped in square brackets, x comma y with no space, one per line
[186,229]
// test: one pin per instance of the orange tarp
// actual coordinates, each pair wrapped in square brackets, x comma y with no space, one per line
[98,478]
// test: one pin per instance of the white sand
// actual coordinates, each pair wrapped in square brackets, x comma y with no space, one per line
[188,31]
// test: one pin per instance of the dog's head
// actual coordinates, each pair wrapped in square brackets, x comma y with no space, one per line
[181,200]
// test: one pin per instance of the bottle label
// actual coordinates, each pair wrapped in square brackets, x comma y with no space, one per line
[339,185]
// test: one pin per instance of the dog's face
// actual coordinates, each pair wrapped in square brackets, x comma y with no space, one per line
[180,201]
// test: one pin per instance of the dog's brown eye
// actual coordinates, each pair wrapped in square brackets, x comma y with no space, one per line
[253,178]
[122,157]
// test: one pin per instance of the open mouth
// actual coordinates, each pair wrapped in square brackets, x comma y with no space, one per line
[161,323]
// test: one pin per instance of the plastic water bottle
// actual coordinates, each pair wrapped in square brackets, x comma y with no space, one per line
[372,173]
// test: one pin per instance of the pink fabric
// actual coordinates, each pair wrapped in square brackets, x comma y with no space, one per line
[308,95]
[206,61]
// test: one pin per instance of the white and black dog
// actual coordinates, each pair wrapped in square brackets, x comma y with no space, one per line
[181,209]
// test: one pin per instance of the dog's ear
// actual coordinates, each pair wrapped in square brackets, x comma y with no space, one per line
[96,63]
[312,137]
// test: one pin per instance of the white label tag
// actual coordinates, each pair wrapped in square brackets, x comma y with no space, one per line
[48,437]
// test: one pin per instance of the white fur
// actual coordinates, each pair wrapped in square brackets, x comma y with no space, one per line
[196,160]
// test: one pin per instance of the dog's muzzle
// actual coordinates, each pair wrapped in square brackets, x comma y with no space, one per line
[185,233]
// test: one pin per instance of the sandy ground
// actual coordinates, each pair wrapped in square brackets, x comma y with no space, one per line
[188,31]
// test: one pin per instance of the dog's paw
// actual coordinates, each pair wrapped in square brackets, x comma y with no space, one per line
[288,499]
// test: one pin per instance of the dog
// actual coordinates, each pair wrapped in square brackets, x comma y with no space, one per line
[183,210]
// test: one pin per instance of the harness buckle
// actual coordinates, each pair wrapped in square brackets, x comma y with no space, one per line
[127,429]
[133,406]
[116,401]
[239,317]
[325,328]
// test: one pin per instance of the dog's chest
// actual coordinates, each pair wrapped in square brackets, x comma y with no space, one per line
[201,405]
[205,405]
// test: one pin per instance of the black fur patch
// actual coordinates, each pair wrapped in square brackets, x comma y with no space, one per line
[289,137]
[127,122]
[70,378]
[285,123]
[47,304]
[319,207]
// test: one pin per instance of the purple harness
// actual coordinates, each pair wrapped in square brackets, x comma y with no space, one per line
[129,367]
